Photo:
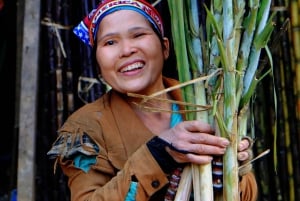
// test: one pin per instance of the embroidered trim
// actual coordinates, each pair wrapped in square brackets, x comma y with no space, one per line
[68,145]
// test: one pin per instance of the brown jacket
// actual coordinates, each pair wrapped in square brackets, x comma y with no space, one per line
[121,153]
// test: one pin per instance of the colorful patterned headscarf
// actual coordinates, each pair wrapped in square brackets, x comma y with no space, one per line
[88,27]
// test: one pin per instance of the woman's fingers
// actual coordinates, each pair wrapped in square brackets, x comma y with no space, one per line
[245,149]
[245,155]
[197,132]
[189,157]
[197,126]
[195,153]
[201,147]
[243,145]
[204,138]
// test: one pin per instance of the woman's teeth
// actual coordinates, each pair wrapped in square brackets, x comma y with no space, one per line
[132,67]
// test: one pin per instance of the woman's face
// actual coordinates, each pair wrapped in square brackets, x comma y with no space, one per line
[129,53]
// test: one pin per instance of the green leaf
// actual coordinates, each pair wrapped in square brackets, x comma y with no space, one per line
[263,37]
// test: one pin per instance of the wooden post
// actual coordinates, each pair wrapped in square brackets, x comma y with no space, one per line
[28,100]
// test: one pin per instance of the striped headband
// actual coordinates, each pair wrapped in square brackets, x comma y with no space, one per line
[88,27]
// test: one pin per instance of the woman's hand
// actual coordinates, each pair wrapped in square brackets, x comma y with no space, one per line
[245,149]
[193,141]
[245,155]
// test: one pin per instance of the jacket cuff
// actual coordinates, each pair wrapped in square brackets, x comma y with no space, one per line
[157,147]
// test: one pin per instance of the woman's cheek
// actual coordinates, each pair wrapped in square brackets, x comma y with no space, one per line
[102,59]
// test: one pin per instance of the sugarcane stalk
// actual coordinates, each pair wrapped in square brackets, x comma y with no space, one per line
[247,38]
[87,66]
[295,5]
[229,117]
[282,149]
[232,128]
[185,185]
[295,22]
[51,69]
[183,72]
[69,86]
[178,33]
[224,38]
[59,66]
[283,166]
[202,174]
[263,14]
[274,180]
[288,125]
[284,138]
[202,177]
[287,136]
[261,113]
[89,88]
[53,85]
[230,167]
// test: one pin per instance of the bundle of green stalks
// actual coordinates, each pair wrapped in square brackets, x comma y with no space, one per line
[225,52]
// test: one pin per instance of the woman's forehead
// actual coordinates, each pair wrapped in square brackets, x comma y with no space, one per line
[124,16]
[123,19]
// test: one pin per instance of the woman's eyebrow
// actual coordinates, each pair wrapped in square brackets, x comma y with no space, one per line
[139,28]
[132,29]
[107,35]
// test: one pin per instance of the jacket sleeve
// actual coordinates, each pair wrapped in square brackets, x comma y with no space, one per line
[91,176]
[248,187]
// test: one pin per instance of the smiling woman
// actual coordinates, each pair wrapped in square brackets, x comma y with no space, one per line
[129,55]
[114,149]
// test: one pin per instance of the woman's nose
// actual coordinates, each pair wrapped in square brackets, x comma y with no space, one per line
[127,48]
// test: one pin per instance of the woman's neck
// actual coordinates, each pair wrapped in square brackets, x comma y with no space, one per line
[154,113]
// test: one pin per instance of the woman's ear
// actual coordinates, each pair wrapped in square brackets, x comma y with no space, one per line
[166,49]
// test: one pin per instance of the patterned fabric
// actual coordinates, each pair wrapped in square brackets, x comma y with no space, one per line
[173,186]
[87,29]
[217,173]
[80,147]
[68,146]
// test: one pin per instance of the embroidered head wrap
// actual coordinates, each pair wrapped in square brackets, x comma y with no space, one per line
[88,27]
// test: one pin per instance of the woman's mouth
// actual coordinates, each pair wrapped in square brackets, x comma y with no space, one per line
[132,67]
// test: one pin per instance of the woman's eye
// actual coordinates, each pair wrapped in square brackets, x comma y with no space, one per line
[109,42]
[138,35]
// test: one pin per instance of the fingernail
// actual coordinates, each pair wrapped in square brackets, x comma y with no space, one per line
[226,143]
[223,150]
[242,156]
[240,147]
